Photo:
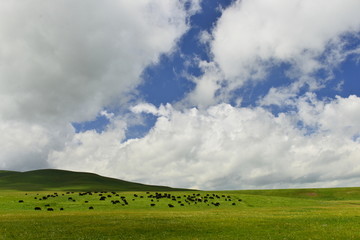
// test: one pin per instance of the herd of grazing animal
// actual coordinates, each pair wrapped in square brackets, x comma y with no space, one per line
[152,200]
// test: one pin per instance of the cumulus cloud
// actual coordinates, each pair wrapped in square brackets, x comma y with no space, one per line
[63,61]
[26,146]
[253,36]
[224,147]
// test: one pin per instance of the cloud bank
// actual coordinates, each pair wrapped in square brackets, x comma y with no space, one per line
[225,147]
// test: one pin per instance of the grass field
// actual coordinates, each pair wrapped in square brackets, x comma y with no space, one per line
[262,214]
[126,213]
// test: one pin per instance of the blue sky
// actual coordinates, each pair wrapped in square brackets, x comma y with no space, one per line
[205,94]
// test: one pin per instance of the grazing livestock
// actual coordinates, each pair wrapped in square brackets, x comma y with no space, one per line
[37,208]
[50,209]
[21,201]
[152,204]
[91,207]
[170,205]
[61,209]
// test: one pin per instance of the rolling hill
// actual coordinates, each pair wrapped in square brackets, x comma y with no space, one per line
[53,179]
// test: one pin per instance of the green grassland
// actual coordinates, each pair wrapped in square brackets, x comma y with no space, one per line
[128,214]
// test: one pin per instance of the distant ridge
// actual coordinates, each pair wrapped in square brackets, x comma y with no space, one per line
[54,179]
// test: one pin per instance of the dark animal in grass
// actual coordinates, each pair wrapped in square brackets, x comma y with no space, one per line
[37,208]
[152,204]
[233,204]
[91,207]
[61,209]
[50,209]
[47,205]
[21,201]
[170,205]
[102,198]
[86,201]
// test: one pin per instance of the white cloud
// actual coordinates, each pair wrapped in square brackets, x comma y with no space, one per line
[225,147]
[62,61]
[26,146]
[253,36]
[207,86]
[65,60]
[340,116]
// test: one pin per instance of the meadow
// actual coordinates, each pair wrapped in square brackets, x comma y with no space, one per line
[58,204]
[258,214]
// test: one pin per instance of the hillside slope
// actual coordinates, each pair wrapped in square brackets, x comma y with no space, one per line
[52,179]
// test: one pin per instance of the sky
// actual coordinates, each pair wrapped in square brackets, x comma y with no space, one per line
[205,94]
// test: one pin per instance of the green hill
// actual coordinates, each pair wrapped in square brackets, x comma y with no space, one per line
[51,179]
[6,173]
